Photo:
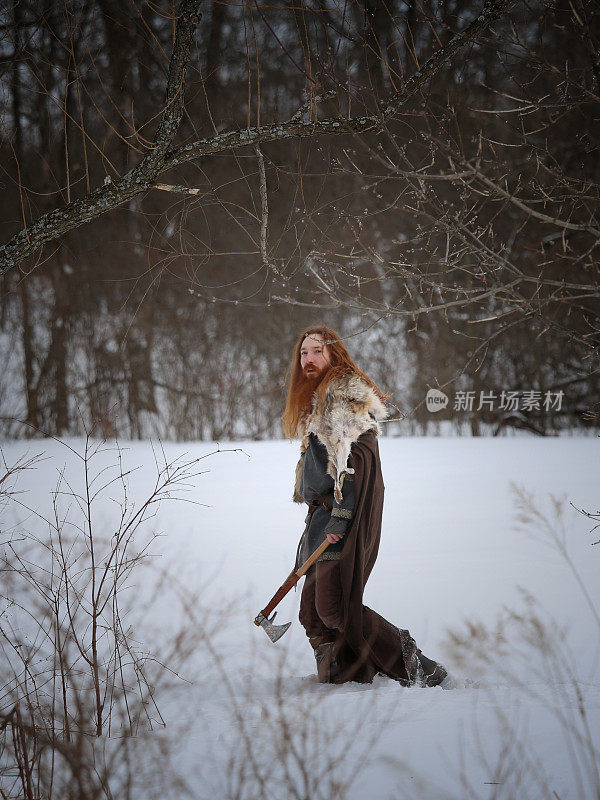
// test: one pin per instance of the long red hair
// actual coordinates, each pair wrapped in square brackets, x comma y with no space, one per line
[301,389]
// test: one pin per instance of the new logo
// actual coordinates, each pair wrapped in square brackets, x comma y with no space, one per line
[435,400]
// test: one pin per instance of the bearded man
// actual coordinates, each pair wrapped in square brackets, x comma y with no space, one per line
[336,409]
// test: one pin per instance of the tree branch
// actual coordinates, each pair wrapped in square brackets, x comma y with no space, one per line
[560,223]
[158,160]
[264,203]
[55,223]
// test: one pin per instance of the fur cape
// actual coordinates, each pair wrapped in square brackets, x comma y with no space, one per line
[350,407]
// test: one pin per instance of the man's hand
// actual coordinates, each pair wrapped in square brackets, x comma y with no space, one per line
[335,529]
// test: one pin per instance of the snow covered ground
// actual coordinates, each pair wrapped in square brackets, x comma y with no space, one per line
[521,725]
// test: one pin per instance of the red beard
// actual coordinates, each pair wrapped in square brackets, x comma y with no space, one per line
[307,386]
[315,375]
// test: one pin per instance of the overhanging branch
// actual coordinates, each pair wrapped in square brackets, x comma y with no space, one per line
[54,224]
[159,159]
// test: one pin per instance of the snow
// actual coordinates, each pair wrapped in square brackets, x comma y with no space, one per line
[451,553]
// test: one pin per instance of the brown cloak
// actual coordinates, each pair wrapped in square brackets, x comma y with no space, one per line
[370,644]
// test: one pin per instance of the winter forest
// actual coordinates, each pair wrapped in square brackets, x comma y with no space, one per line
[423,176]
[186,185]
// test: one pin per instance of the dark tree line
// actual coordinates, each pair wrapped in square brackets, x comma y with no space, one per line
[424,173]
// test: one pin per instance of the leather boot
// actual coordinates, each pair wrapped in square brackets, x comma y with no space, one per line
[433,673]
[326,648]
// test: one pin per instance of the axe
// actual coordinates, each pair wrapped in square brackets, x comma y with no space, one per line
[275,632]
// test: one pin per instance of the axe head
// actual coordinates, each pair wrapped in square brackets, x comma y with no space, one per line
[274,632]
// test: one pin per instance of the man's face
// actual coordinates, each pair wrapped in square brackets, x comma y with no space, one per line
[314,356]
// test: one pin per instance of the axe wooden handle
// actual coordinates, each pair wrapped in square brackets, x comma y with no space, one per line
[312,558]
[293,579]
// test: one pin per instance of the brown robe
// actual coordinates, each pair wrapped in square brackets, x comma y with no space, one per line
[367,643]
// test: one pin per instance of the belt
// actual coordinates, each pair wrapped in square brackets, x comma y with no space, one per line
[325,501]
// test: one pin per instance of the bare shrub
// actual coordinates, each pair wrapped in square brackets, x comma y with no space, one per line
[528,654]
[88,710]
[78,690]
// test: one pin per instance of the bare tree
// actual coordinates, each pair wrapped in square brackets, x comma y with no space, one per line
[162,156]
